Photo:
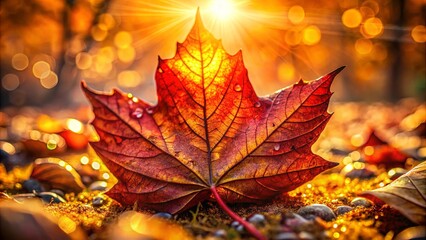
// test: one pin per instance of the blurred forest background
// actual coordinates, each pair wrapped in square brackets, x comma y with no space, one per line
[48,46]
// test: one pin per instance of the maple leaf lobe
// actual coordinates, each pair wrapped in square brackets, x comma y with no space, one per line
[209,128]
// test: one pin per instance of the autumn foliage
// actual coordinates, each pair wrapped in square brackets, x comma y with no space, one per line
[210,132]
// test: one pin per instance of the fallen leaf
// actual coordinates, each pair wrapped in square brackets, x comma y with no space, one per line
[57,174]
[387,156]
[30,221]
[373,139]
[379,152]
[210,136]
[407,194]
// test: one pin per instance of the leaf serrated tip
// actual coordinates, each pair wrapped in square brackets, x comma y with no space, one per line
[85,88]
[332,164]
[337,71]
[198,21]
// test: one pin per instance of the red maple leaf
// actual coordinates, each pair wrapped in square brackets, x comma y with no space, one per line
[210,136]
[381,152]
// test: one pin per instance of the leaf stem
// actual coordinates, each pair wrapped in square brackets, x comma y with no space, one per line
[249,227]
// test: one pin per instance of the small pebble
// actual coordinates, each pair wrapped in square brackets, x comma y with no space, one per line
[361,202]
[340,210]
[285,236]
[363,173]
[395,173]
[50,197]
[341,152]
[220,233]
[310,217]
[257,219]
[98,201]
[31,185]
[319,210]
[294,220]
[98,186]
[237,226]
[163,215]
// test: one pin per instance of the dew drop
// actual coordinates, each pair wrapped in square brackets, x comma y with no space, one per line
[277,102]
[237,88]
[277,147]
[257,104]
[138,113]
[160,70]
[149,110]
[130,102]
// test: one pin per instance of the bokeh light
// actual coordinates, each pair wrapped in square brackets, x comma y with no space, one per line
[107,20]
[293,37]
[84,160]
[10,82]
[372,27]
[363,46]
[311,35]
[96,165]
[123,39]
[99,32]
[296,14]
[74,125]
[41,69]
[20,61]
[49,81]
[351,18]
[126,55]
[419,33]
[83,60]
[129,79]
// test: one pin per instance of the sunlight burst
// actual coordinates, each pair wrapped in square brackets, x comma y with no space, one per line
[222,9]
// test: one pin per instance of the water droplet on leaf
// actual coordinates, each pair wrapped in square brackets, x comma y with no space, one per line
[138,113]
[277,147]
[257,104]
[237,87]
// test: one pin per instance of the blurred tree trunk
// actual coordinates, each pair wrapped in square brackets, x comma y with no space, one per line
[395,84]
